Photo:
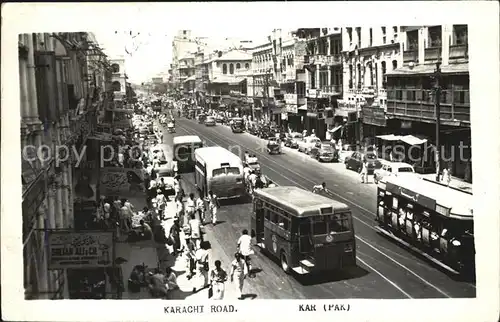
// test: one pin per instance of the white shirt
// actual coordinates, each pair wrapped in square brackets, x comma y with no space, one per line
[245,245]
[318,188]
[252,178]
[190,203]
[246,171]
[175,166]
[212,201]
[200,204]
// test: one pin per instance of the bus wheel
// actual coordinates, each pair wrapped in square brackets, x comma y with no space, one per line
[284,263]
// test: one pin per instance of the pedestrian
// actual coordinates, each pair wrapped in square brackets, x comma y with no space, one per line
[202,268]
[146,231]
[213,206]
[245,248]
[218,277]
[162,186]
[175,167]
[238,273]
[319,188]
[200,207]
[190,253]
[161,203]
[177,186]
[364,172]
[190,205]
[252,180]
[195,230]
[446,178]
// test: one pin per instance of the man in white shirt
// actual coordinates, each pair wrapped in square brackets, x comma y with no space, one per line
[245,247]
[213,205]
[175,167]
[252,179]
[319,188]
[246,172]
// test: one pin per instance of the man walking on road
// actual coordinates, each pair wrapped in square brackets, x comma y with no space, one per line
[245,248]
[200,207]
[202,268]
[213,205]
[218,277]
[238,270]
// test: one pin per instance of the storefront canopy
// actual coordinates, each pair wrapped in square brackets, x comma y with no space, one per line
[335,129]
[408,139]
[303,107]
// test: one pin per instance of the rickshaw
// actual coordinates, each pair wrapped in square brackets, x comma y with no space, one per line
[171,127]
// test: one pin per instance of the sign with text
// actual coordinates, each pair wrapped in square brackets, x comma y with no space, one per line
[68,249]
[122,182]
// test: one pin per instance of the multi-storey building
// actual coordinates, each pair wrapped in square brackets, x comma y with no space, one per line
[183,44]
[260,85]
[227,74]
[61,78]
[322,74]
[368,54]
[411,95]
[187,74]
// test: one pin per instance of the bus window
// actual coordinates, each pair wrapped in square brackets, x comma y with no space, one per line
[233,171]
[304,228]
[340,224]
[267,214]
[283,222]
[274,218]
[218,172]
[319,228]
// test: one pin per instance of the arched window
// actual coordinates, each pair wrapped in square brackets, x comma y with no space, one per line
[115,68]
[394,64]
[117,87]
[247,66]
[238,66]
[224,69]
[231,69]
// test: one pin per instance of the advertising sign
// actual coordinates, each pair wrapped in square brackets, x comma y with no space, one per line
[68,249]
[122,182]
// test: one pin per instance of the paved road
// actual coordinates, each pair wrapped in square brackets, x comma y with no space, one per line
[385,270]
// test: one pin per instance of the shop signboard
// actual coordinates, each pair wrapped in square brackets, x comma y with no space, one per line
[374,116]
[124,182]
[70,249]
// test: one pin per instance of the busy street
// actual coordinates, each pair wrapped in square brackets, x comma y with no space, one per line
[229,180]
[385,269]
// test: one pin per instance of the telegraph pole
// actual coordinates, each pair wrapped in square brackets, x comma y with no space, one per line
[266,92]
[437,91]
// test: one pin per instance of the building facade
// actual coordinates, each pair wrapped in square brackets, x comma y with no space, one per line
[187,74]
[184,44]
[368,54]
[411,92]
[227,74]
[61,77]
[322,77]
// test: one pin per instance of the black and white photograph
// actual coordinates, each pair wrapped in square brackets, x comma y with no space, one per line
[181,162]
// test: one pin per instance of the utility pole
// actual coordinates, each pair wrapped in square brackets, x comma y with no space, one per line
[437,91]
[266,92]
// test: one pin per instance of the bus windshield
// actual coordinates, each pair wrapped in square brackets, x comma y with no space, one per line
[225,171]
[330,224]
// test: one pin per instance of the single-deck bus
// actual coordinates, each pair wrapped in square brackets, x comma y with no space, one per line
[307,232]
[431,219]
[219,170]
[184,147]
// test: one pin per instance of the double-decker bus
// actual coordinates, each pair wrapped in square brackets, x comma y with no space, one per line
[184,147]
[306,231]
[429,218]
[221,171]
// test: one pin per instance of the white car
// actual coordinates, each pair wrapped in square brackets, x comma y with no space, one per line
[308,143]
[393,169]
[253,163]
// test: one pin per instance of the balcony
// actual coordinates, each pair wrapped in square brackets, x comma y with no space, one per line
[330,90]
[410,56]
[459,51]
[326,60]
[418,104]
[432,53]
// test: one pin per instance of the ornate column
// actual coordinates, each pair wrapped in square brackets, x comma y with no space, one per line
[44,276]
[31,82]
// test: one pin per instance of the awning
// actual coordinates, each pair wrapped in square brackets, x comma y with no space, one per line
[413,140]
[190,78]
[303,108]
[335,129]
[389,137]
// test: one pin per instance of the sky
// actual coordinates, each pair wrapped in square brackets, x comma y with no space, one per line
[151,51]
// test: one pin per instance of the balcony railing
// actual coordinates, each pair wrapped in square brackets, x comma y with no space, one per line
[410,56]
[419,103]
[331,89]
[433,53]
[459,51]
[328,60]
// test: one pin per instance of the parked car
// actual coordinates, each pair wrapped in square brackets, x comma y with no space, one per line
[253,163]
[265,132]
[292,140]
[219,119]
[308,143]
[355,162]
[393,169]
[273,146]
[210,121]
[325,152]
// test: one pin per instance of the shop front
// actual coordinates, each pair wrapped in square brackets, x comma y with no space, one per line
[374,122]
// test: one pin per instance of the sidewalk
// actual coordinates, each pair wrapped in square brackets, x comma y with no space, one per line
[455,182]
